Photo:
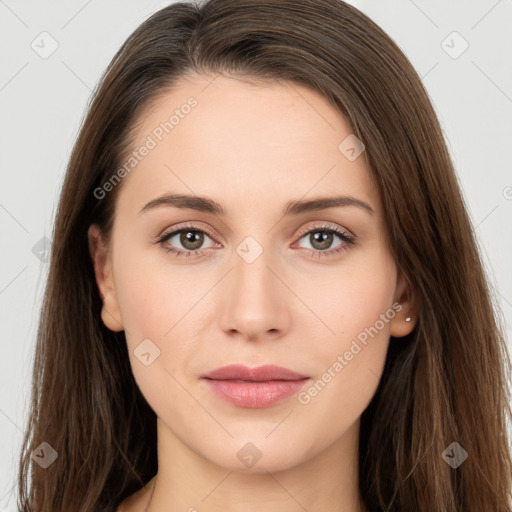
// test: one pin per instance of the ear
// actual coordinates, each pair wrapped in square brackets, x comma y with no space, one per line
[406,297]
[102,260]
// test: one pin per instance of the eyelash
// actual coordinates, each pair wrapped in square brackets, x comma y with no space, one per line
[348,240]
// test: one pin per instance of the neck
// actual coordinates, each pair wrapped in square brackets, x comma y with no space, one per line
[188,481]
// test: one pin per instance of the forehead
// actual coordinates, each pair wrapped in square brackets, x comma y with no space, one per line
[226,138]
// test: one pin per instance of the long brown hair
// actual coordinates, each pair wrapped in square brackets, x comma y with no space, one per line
[446,382]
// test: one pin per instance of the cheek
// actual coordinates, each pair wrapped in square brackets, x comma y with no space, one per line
[163,311]
[151,312]
[356,311]
[153,296]
[147,304]
[347,300]
[149,307]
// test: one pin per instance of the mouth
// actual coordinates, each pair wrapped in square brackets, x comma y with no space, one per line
[262,373]
[254,388]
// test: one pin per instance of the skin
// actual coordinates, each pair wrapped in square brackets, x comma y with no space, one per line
[251,148]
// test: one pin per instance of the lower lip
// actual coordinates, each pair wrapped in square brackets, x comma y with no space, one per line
[254,395]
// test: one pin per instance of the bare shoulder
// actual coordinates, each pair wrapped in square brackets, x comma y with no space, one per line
[134,503]
[137,501]
[125,505]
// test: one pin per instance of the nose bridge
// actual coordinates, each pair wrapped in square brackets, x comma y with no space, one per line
[253,303]
[251,260]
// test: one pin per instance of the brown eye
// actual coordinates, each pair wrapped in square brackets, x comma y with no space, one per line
[187,241]
[191,240]
[321,240]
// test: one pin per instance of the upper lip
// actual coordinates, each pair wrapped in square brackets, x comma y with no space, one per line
[262,373]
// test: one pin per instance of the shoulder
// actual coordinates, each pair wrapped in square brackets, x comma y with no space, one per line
[134,503]
[138,500]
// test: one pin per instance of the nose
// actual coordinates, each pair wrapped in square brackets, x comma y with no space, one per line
[255,299]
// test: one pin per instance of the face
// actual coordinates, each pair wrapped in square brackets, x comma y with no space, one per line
[313,290]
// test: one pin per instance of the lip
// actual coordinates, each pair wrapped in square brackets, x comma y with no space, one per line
[262,373]
[254,388]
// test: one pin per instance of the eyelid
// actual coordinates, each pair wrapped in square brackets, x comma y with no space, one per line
[185,225]
[326,225]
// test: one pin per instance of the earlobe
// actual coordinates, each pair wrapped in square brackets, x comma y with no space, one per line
[102,262]
[405,319]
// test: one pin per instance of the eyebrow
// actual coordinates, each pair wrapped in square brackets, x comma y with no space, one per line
[207,205]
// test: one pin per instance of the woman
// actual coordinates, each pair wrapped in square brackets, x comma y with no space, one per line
[194,354]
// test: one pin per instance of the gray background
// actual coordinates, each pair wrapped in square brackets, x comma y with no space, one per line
[43,100]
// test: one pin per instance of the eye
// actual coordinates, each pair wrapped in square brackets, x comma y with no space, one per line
[321,239]
[190,238]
